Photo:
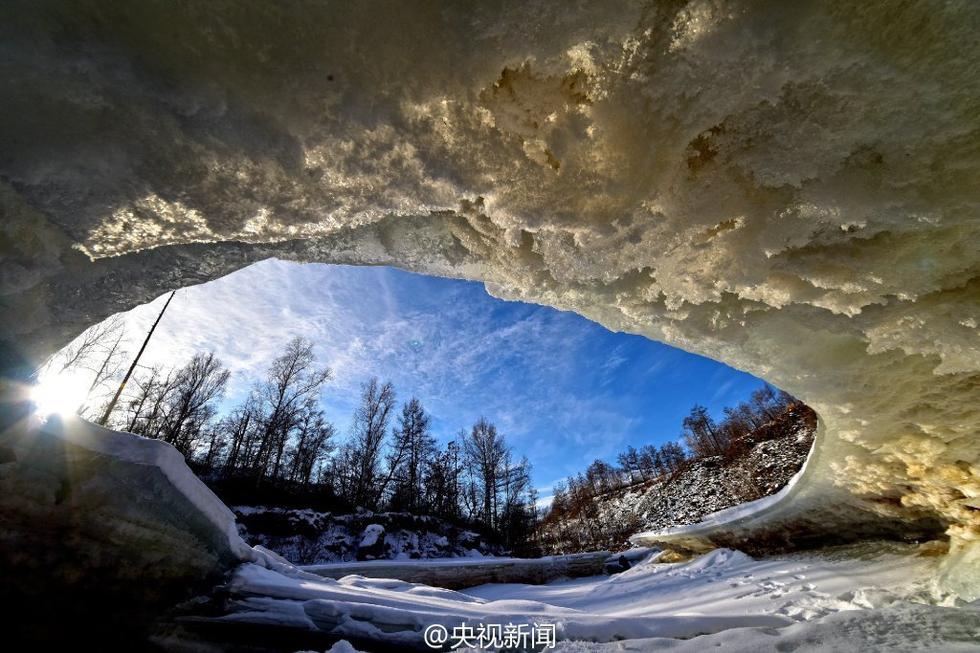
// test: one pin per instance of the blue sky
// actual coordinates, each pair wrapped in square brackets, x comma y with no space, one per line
[562,389]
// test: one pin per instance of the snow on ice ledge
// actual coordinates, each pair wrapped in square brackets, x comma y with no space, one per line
[397,612]
[163,456]
[716,593]
[118,494]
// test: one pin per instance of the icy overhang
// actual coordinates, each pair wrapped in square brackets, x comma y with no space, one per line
[790,189]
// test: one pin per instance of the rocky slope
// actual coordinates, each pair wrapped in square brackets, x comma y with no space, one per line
[772,455]
[308,537]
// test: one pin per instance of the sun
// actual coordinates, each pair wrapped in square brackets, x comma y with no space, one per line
[60,394]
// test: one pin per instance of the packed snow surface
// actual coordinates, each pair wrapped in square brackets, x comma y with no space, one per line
[854,590]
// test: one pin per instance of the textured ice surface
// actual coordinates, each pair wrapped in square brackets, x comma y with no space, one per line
[789,188]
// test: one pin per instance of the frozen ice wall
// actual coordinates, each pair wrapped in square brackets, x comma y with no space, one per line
[787,187]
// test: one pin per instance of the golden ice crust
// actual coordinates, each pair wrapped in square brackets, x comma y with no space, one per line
[790,188]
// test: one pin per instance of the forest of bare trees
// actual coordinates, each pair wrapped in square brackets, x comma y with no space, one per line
[277,445]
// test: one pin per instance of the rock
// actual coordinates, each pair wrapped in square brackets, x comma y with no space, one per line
[372,544]
[701,488]
[310,537]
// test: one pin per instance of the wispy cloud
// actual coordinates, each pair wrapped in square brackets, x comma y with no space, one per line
[564,390]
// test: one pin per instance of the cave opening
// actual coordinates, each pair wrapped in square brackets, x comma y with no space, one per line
[573,403]
[785,188]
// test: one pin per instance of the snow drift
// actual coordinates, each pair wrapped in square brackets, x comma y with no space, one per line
[167,537]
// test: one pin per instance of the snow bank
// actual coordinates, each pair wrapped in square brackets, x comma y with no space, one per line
[130,462]
[371,535]
[898,627]
[397,612]
[99,522]
[722,592]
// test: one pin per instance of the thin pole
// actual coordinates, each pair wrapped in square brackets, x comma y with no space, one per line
[112,404]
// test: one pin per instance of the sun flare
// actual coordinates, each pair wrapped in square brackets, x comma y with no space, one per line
[60,394]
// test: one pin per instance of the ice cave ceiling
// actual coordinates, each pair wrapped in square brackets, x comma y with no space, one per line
[790,188]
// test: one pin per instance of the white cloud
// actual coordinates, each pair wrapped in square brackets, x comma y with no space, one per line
[539,374]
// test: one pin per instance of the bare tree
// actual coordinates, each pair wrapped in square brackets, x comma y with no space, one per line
[485,453]
[361,456]
[672,456]
[767,402]
[519,510]
[89,349]
[649,462]
[241,427]
[443,483]
[111,352]
[293,380]
[702,434]
[629,460]
[601,476]
[312,443]
[217,439]
[742,418]
[196,385]
[412,450]
[147,407]
[98,351]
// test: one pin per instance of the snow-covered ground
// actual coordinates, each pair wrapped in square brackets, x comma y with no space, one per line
[869,598]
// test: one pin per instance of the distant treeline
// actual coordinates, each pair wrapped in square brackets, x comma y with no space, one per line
[702,436]
[278,446]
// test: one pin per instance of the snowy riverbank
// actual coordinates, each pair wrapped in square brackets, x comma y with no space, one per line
[873,597]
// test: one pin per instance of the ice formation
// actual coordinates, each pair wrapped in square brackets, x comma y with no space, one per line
[789,188]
